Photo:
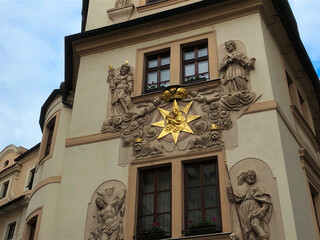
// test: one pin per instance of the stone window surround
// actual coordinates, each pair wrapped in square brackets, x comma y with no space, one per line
[177,171]
[26,232]
[42,158]
[8,229]
[176,59]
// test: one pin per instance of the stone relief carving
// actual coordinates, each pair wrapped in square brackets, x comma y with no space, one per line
[109,212]
[178,112]
[122,3]
[121,85]
[253,205]
[234,71]
[211,138]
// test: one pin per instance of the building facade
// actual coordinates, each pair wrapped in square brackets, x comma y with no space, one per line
[178,119]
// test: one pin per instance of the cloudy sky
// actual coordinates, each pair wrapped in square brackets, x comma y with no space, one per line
[32,57]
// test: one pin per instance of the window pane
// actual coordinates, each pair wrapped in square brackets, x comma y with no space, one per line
[152,63]
[164,180]
[194,217]
[152,78]
[193,176]
[164,220]
[211,196]
[164,84]
[189,70]
[147,204]
[164,202]
[146,222]
[165,61]
[164,75]
[203,67]
[148,182]
[189,55]
[214,216]
[194,198]
[202,52]
[210,174]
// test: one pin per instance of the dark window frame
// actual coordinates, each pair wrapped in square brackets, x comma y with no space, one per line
[50,129]
[202,186]
[155,200]
[11,230]
[4,189]
[157,69]
[31,178]
[194,61]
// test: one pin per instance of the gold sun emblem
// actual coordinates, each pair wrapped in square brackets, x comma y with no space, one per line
[175,122]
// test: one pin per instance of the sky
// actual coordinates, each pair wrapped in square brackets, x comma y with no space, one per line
[32,57]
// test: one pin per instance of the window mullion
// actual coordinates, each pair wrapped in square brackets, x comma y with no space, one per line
[202,193]
[155,199]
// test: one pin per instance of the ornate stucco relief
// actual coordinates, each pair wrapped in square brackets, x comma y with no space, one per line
[106,212]
[181,119]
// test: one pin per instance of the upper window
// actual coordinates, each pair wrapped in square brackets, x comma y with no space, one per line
[152,1]
[202,205]
[10,231]
[6,163]
[195,63]
[157,72]
[32,225]
[50,128]
[155,200]
[30,179]
[4,189]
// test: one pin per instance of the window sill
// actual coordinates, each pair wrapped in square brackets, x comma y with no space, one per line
[214,236]
[157,5]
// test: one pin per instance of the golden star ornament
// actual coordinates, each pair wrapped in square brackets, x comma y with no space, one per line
[175,122]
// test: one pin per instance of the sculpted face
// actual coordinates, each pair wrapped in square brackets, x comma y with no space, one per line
[138,147]
[230,46]
[156,101]
[99,203]
[124,69]
[109,191]
[215,135]
[251,177]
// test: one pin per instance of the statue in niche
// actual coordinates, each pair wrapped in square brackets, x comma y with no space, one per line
[110,212]
[122,3]
[254,206]
[121,86]
[234,71]
[211,138]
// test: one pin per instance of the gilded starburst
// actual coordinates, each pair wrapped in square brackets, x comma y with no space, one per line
[175,122]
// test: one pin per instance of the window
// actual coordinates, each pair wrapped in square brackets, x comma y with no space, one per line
[153,1]
[50,128]
[30,179]
[6,163]
[157,72]
[202,205]
[195,63]
[10,231]
[4,189]
[155,199]
[315,199]
[32,224]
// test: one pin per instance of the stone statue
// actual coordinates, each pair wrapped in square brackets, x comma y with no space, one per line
[121,87]
[122,3]
[254,207]
[110,212]
[234,68]
[141,149]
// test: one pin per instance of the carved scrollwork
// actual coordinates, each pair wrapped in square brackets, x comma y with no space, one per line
[199,126]
[141,149]
[211,138]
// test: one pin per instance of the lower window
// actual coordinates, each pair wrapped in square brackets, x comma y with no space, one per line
[154,211]
[10,231]
[202,204]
